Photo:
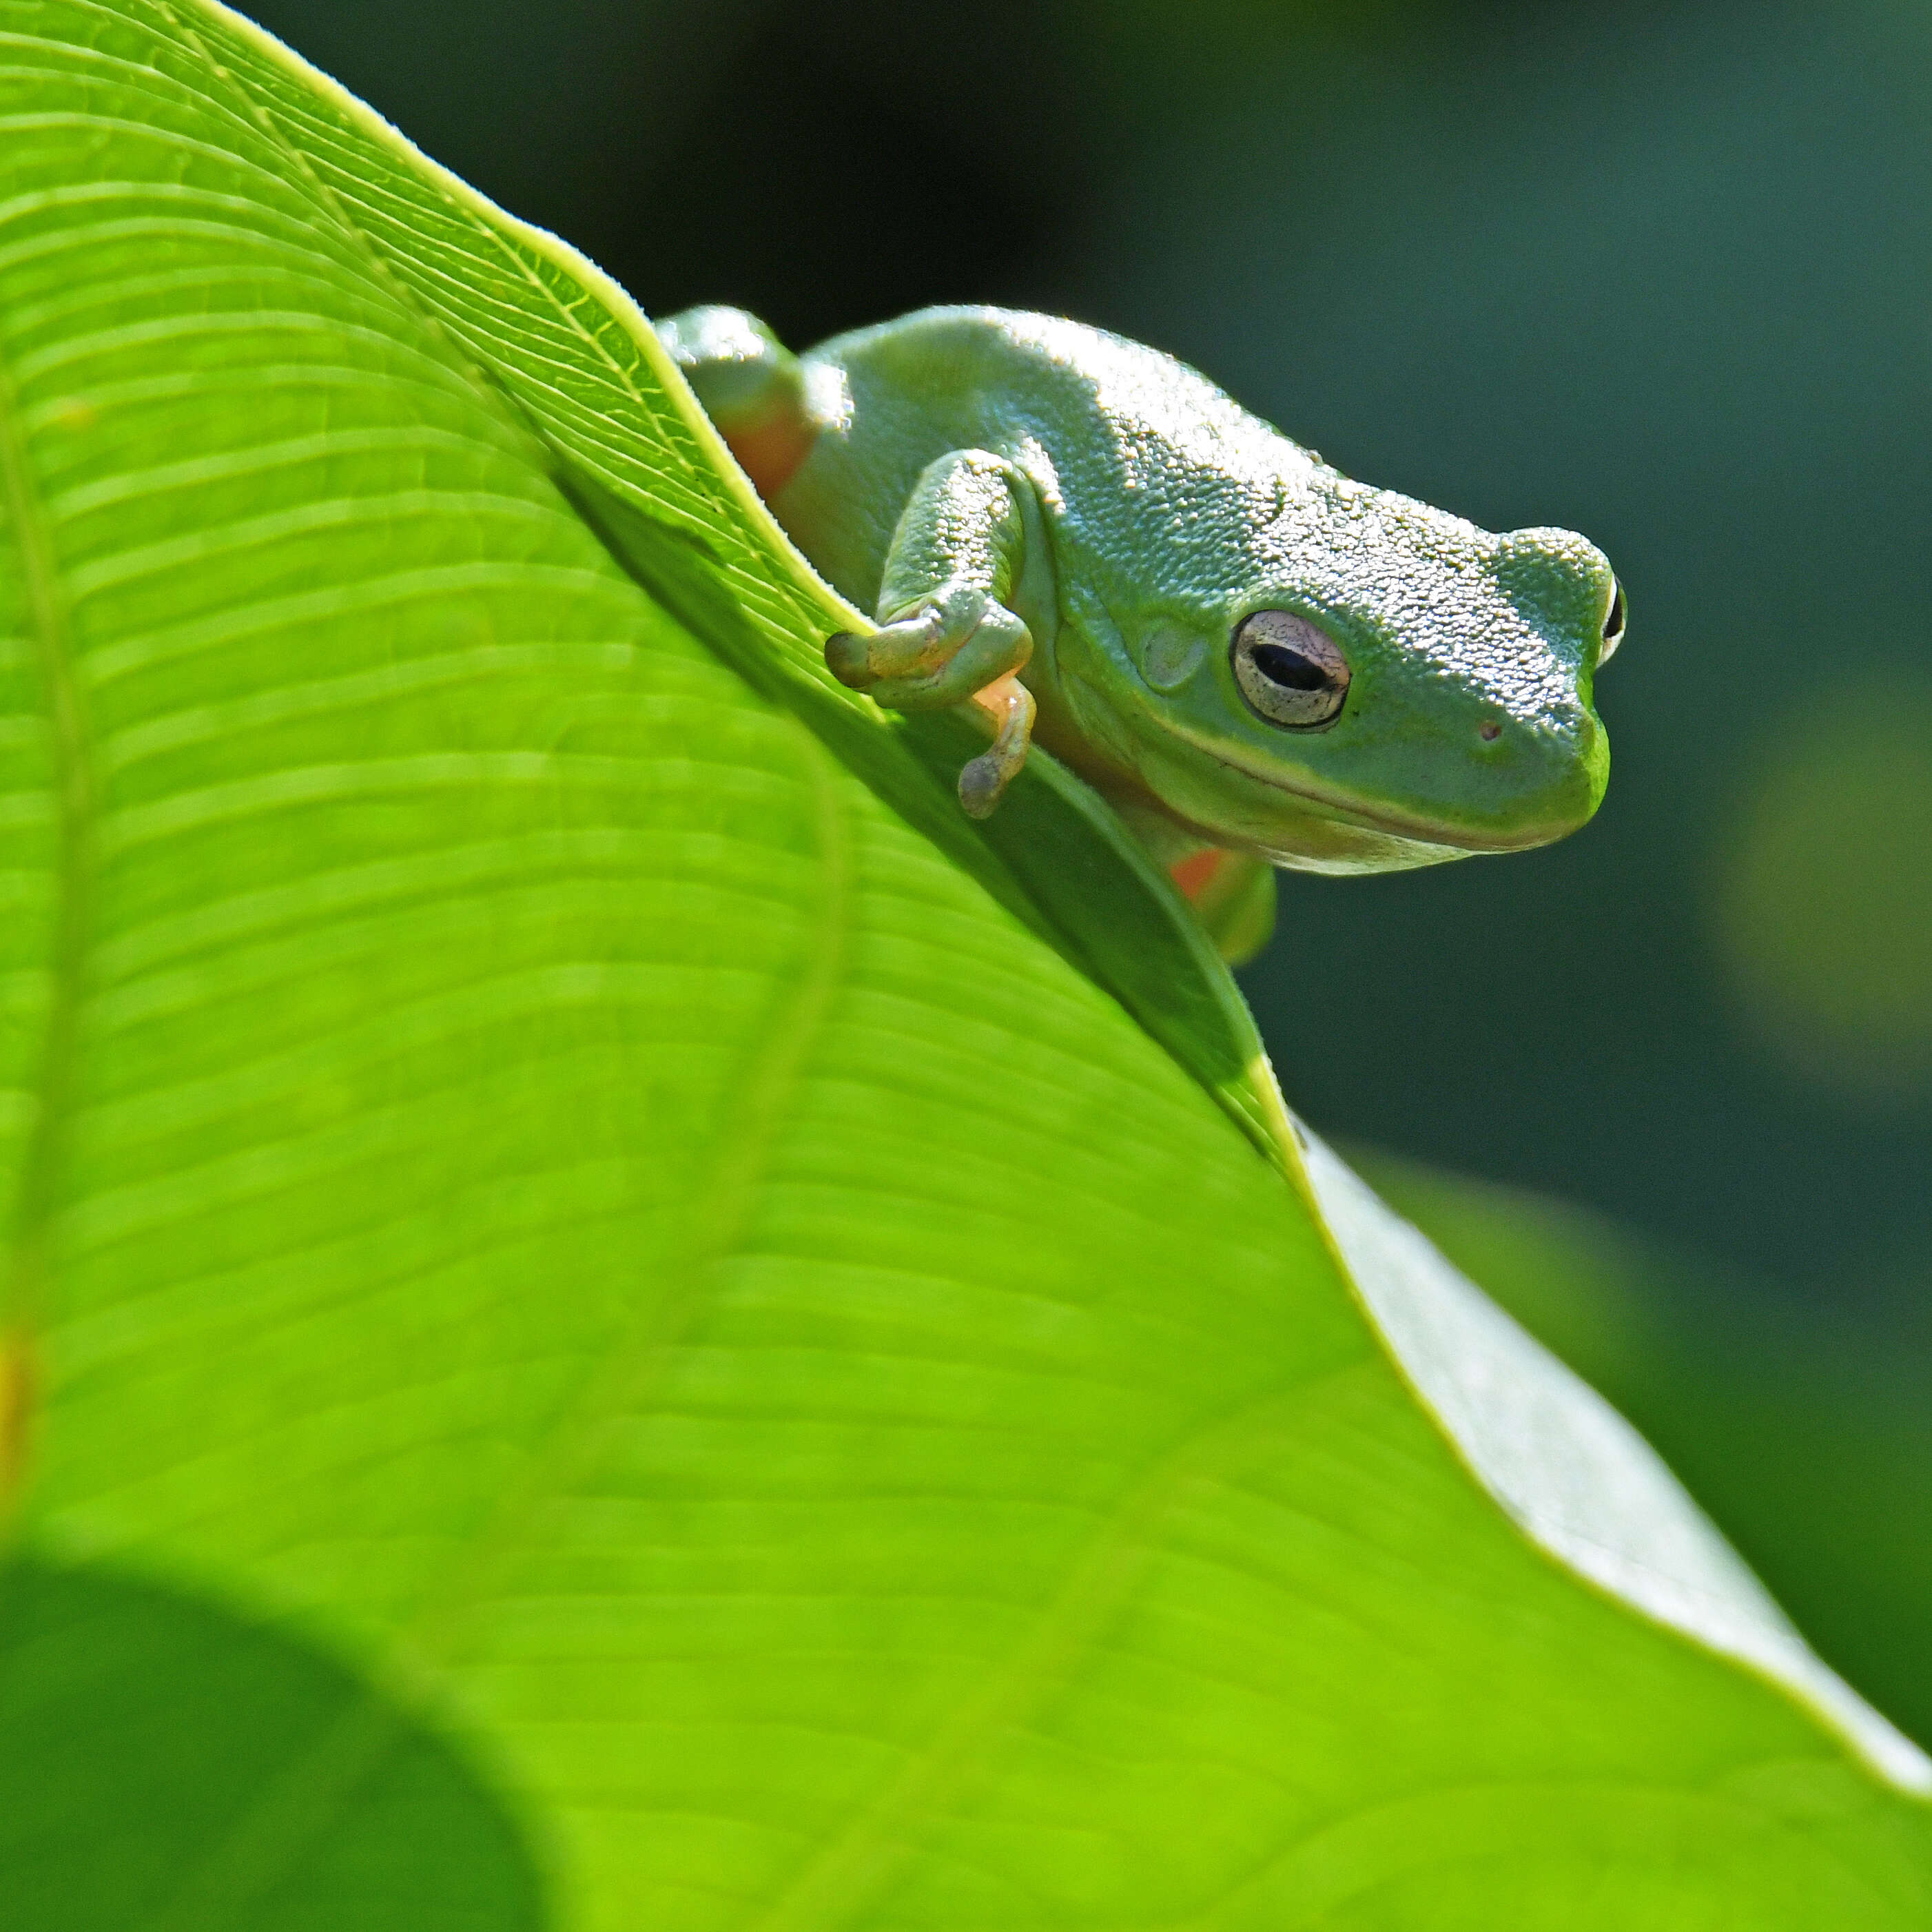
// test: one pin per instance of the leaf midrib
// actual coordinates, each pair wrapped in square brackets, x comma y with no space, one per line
[76,804]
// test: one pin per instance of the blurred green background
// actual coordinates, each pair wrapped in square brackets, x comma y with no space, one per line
[1659,271]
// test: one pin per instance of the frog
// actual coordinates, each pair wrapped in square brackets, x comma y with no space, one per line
[1260,663]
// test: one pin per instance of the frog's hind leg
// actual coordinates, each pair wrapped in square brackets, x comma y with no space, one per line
[1233,895]
[752,387]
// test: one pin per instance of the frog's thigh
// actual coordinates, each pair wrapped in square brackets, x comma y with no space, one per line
[1233,895]
[751,385]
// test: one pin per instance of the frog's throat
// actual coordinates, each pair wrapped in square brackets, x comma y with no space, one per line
[1351,810]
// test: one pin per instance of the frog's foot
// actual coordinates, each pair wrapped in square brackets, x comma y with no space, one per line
[1233,895]
[957,648]
[752,387]
[938,654]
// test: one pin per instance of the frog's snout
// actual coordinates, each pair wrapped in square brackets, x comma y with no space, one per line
[1563,584]
[1541,776]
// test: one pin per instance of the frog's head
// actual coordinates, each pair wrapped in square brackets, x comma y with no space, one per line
[1365,683]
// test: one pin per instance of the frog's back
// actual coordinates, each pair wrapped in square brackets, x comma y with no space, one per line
[1108,431]
[979,367]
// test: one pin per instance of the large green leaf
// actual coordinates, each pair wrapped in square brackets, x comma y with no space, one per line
[1799,1419]
[582,1249]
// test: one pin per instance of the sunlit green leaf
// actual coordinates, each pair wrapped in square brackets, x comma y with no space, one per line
[548,1166]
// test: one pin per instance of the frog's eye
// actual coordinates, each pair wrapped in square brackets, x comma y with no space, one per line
[1288,671]
[1613,625]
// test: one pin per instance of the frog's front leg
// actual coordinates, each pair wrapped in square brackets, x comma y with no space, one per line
[948,634]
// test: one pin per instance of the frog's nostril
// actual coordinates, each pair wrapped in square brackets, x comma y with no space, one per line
[1490,733]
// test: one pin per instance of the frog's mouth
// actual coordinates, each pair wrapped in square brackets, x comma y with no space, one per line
[1330,829]
[1456,841]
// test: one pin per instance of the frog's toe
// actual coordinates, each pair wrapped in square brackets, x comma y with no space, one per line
[983,780]
[905,652]
[849,661]
[983,783]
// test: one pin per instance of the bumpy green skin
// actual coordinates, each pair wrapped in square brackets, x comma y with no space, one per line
[1113,517]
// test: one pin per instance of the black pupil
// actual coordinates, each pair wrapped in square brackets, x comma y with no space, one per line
[1281,664]
[1614,622]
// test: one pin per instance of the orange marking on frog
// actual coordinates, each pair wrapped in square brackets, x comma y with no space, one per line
[1195,873]
[770,454]
[997,698]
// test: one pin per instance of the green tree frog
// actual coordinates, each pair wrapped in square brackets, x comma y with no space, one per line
[1257,660]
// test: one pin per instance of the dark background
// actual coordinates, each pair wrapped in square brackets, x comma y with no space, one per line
[1660,272]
